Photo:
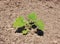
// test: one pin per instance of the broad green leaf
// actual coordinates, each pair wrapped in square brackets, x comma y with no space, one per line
[40,24]
[19,22]
[24,32]
[32,16]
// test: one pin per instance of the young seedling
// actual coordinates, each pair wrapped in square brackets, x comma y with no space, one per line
[32,17]
[40,24]
[25,31]
[19,22]
[24,26]
[34,22]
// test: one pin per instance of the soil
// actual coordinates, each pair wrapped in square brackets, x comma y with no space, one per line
[47,10]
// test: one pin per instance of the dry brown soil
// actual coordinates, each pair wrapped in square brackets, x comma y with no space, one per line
[47,10]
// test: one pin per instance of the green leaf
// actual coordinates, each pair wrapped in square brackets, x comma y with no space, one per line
[40,24]
[19,22]
[32,16]
[24,32]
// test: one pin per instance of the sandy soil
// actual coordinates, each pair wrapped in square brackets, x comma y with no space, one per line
[47,10]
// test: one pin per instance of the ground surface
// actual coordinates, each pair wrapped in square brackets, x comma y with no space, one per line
[47,10]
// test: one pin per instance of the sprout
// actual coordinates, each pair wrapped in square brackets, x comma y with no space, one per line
[25,25]
[40,24]
[19,22]
[32,16]
[24,32]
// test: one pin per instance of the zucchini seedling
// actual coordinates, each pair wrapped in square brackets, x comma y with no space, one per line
[20,25]
[19,22]
[25,31]
[40,27]
[32,17]
[39,24]
[23,26]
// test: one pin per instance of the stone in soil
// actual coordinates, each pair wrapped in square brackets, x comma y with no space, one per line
[31,23]
[34,26]
[40,32]
[20,29]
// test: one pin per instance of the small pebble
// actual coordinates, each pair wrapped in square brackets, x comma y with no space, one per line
[34,26]
[20,29]
[31,23]
[40,32]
